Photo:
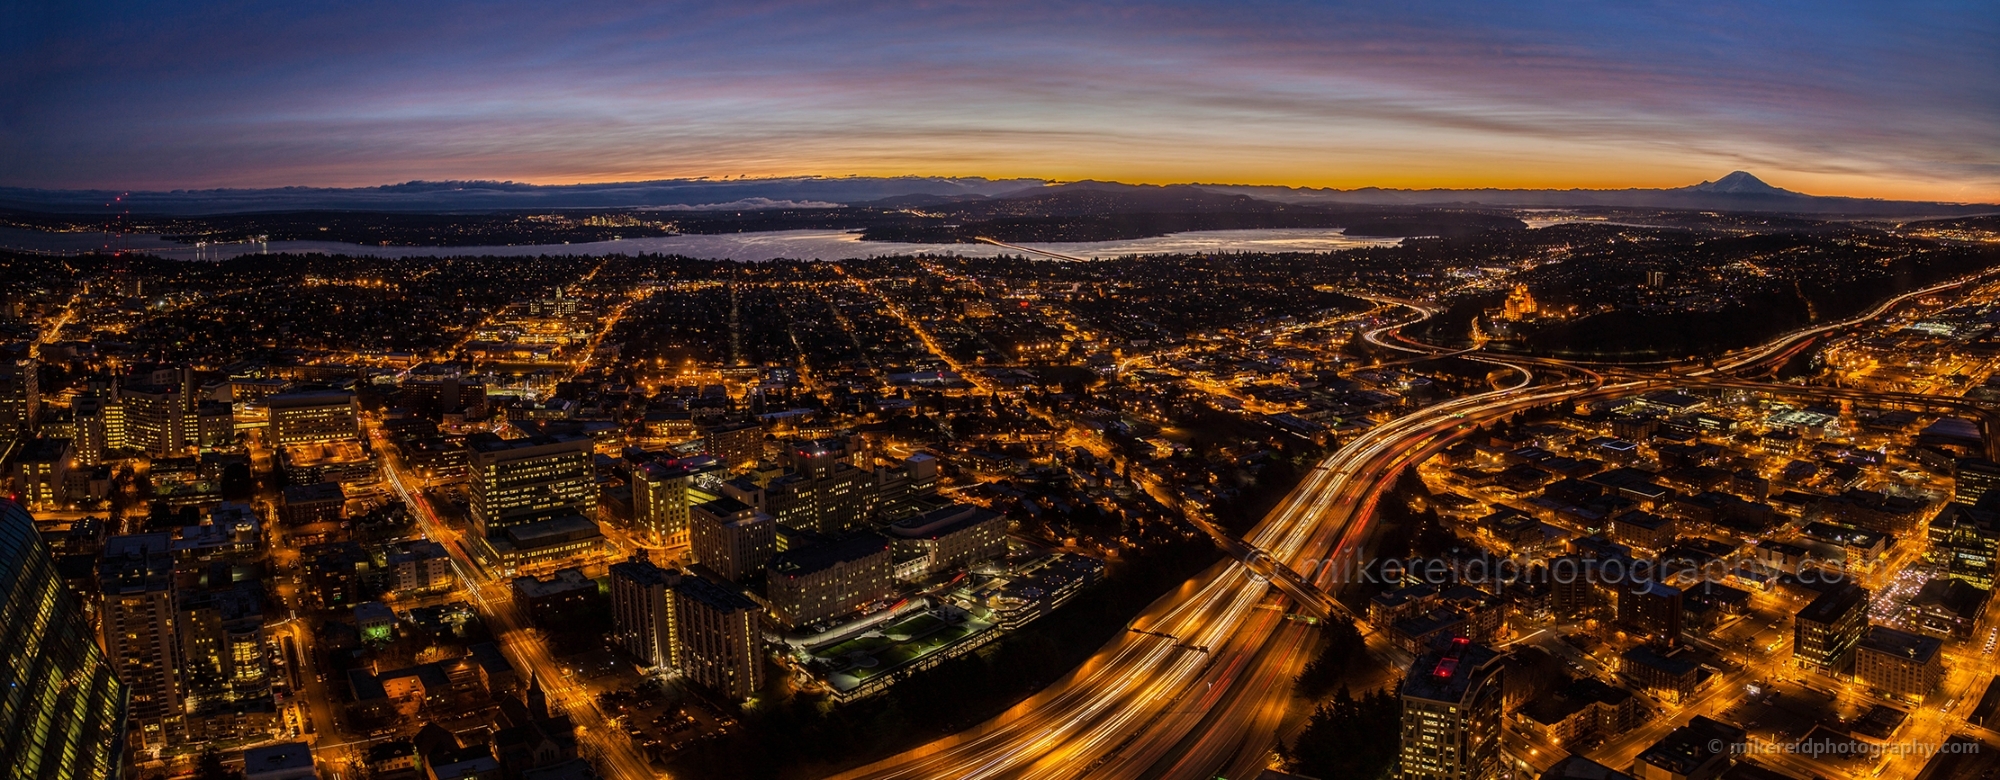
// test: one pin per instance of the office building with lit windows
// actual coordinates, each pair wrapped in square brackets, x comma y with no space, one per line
[62,706]
[738,444]
[156,418]
[829,580]
[949,537]
[141,633]
[20,399]
[731,537]
[1965,543]
[310,417]
[519,481]
[1451,714]
[642,611]
[820,491]
[661,497]
[719,636]
[1825,632]
[1973,478]
[39,472]
[1898,663]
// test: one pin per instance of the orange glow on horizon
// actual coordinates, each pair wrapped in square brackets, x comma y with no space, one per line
[1583,177]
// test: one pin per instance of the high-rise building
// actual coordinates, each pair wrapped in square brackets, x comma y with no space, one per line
[720,637]
[1573,590]
[141,632]
[443,396]
[312,416]
[222,645]
[1826,630]
[830,579]
[517,481]
[660,498]
[1965,543]
[95,429]
[62,706]
[1901,664]
[1451,714]
[1973,477]
[1652,610]
[642,610]
[39,472]
[214,425]
[156,418]
[901,491]
[731,537]
[738,444]
[20,398]
[821,491]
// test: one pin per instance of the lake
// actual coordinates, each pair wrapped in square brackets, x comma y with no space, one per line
[781,244]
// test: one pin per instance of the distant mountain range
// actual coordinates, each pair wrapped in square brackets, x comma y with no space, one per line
[487,196]
[969,197]
[1738,191]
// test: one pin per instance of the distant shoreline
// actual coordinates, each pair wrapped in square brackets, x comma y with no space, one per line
[746,247]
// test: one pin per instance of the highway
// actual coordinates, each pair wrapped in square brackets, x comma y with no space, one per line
[1143,707]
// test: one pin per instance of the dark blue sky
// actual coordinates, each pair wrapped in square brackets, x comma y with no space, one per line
[1892,100]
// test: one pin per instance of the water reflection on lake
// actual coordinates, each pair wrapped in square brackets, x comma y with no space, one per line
[792,244]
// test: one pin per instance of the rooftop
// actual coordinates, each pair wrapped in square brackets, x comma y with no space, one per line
[562,581]
[279,757]
[794,563]
[1687,748]
[1902,644]
[1675,665]
[42,450]
[1580,768]
[1831,605]
[724,507]
[552,531]
[323,491]
[309,398]
[716,596]
[1447,675]
[489,443]
[942,522]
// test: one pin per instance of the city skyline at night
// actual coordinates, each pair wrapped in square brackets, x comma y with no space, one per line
[944,390]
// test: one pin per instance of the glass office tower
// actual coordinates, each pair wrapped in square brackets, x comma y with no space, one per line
[62,710]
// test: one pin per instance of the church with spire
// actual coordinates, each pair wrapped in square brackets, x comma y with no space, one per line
[533,736]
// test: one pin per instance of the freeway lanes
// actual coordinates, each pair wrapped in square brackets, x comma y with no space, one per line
[1233,738]
[1126,712]
[1131,705]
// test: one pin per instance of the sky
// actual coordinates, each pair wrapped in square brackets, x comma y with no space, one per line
[1893,100]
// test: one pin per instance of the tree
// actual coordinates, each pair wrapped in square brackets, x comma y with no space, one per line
[238,484]
[210,767]
[1350,738]
[1341,644]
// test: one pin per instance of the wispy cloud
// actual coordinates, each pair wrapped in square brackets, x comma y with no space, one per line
[1841,99]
